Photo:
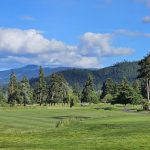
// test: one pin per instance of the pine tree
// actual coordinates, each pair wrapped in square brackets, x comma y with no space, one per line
[137,86]
[125,93]
[88,93]
[26,92]
[12,89]
[136,94]
[77,90]
[144,73]
[41,87]
[57,89]
[108,90]
[108,87]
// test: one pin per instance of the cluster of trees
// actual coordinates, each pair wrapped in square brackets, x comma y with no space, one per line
[19,92]
[125,92]
[122,93]
[57,90]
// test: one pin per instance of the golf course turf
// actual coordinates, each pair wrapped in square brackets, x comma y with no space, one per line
[79,128]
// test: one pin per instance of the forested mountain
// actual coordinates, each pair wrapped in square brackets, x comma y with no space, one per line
[117,72]
[77,77]
[30,71]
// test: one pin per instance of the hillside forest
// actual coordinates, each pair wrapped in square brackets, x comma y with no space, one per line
[62,87]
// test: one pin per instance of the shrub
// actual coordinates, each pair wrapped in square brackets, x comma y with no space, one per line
[145,105]
[108,98]
[93,97]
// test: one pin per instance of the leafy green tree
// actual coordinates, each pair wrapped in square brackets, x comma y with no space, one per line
[41,87]
[88,93]
[72,96]
[12,89]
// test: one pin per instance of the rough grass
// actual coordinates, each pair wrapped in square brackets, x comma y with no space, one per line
[61,128]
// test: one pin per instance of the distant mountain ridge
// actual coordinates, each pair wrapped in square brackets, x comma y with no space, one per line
[31,71]
[117,72]
[76,76]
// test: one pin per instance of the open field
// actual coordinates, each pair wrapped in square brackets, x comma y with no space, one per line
[62,128]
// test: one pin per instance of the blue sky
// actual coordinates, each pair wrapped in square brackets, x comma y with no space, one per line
[76,33]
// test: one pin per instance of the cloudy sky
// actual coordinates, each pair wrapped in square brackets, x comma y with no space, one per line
[75,33]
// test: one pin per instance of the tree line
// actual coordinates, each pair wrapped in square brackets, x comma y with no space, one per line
[57,90]
[21,92]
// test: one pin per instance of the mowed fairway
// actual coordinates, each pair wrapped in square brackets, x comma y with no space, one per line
[62,128]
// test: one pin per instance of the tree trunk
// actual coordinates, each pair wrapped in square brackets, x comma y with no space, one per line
[148,92]
[147,89]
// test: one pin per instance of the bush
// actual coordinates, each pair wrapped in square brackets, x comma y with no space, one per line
[108,98]
[4,104]
[145,105]
[93,97]
[2,100]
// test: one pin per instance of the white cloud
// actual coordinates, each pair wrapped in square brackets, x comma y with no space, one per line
[22,41]
[100,44]
[31,47]
[125,32]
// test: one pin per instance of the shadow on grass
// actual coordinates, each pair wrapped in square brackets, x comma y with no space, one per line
[69,117]
[104,108]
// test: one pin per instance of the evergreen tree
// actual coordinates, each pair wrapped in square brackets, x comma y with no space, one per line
[35,93]
[77,90]
[2,98]
[57,90]
[26,92]
[108,90]
[125,95]
[144,73]
[137,86]
[12,89]
[88,93]
[41,87]
[136,96]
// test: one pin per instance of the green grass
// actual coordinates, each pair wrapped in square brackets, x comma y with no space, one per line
[62,128]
